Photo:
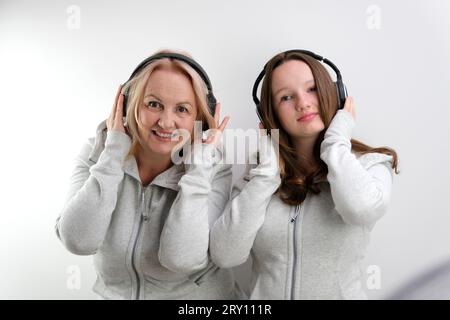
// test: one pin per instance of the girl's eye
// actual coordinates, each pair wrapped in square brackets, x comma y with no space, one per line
[286,98]
[182,109]
[312,89]
[154,104]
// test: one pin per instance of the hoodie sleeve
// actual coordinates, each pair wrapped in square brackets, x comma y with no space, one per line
[233,234]
[92,196]
[203,195]
[361,193]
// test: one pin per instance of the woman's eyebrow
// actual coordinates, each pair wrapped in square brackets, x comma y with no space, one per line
[184,102]
[152,95]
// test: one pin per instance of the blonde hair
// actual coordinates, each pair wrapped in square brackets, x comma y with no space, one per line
[136,91]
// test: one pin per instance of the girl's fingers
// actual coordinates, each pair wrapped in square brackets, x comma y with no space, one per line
[349,106]
[347,103]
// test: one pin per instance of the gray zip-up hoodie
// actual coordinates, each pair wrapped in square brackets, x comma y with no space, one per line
[314,250]
[148,242]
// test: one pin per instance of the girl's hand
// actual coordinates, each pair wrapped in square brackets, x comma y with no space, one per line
[215,133]
[115,120]
[349,107]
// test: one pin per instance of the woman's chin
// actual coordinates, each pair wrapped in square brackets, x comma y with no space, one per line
[161,149]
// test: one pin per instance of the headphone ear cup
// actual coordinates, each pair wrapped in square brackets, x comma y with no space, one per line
[341,91]
[345,92]
[258,113]
[211,101]
[125,102]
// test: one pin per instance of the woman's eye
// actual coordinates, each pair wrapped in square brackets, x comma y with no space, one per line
[153,104]
[312,89]
[182,109]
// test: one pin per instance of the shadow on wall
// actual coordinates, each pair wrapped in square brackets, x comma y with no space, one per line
[433,284]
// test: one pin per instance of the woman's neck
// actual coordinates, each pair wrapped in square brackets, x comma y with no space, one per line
[151,165]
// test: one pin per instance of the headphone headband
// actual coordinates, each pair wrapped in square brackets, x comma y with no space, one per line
[210,99]
[176,56]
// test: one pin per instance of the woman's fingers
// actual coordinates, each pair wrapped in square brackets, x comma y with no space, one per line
[118,121]
[224,123]
[115,120]
[217,114]
[119,109]
[113,111]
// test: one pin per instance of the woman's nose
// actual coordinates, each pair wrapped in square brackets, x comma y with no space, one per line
[166,120]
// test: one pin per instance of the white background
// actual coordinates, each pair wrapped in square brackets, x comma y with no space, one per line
[58,82]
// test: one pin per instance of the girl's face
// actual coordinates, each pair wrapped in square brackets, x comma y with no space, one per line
[295,100]
[169,103]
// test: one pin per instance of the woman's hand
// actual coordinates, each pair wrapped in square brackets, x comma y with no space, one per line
[215,133]
[115,120]
[349,107]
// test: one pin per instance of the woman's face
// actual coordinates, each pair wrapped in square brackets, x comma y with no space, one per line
[295,100]
[169,103]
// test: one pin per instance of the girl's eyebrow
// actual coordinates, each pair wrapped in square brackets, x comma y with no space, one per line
[283,88]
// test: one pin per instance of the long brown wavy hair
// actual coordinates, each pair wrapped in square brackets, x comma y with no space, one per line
[296,180]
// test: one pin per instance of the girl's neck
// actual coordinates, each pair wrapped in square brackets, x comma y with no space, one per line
[305,152]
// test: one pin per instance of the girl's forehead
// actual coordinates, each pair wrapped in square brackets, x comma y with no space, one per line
[292,71]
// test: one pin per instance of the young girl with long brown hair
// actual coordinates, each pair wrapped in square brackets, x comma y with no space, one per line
[305,216]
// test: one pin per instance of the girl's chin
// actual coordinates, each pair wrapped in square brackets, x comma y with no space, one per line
[306,134]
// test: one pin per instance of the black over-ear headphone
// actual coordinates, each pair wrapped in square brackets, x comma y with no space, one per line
[210,99]
[340,87]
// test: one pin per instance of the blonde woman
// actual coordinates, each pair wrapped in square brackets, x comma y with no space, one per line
[144,218]
[305,215]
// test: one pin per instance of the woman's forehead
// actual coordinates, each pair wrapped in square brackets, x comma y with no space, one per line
[171,82]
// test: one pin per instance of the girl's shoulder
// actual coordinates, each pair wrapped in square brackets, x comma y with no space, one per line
[368,160]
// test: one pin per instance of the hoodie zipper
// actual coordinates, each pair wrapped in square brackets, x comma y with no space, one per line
[293,221]
[142,218]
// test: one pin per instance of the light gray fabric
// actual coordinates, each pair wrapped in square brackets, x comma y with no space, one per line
[148,242]
[313,251]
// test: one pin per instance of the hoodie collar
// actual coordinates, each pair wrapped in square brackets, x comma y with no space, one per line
[167,179]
